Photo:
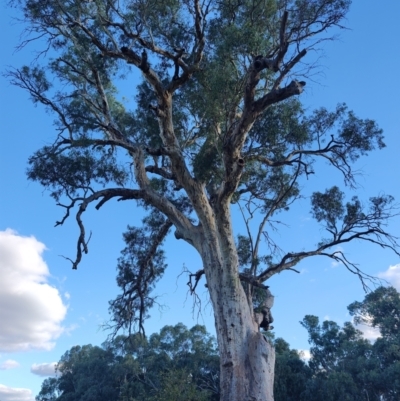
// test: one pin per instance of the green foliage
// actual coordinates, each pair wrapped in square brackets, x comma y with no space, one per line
[281,128]
[49,390]
[347,367]
[328,206]
[202,108]
[178,385]
[76,173]
[331,345]
[380,309]
[352,220]
[176,364]
[84,373]
[180,364]
[291,373]
[208,50]
[140,266]
[244,251]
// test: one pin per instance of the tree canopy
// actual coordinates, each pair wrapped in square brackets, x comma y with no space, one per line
[175,364]
[207,56]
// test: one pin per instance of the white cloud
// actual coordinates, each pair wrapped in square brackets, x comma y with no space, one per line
[32,308]
[9,364]
[392,274]
[369,333]
[304,354]
[44,369]
[15,394]
[69,329]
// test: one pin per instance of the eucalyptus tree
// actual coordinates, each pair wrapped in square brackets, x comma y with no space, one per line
[175,364]
[292,374]
[381,310]
[344,365]
[83,373]
[217,125]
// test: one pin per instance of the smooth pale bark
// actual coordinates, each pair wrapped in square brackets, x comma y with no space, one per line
[247,358]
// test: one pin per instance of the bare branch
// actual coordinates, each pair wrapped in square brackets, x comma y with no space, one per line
[334,152]
[255,282]
[372,233]
[197,276]
[105,195]
[144,66]
[278,95]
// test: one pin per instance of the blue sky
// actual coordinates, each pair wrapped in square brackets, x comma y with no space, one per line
[45,307]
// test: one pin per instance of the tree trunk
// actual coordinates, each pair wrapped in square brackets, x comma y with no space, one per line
[247,358]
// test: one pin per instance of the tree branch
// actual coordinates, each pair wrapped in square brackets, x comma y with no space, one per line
[180,221]
[334,152]
[139,268]
[382,238]
[105,195]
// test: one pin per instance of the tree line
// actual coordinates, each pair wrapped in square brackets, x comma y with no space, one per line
[181,364]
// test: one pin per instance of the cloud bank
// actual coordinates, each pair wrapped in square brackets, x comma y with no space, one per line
[15,394]
[44,369]
[392,274]
[32,308]
[9,364]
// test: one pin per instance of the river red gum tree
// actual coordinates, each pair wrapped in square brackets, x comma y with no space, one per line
[217,122]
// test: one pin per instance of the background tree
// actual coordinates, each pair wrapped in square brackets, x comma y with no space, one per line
[175,361]
[84,373]
[182,364]
[175,364]
[291,373]
[381,309]
[216,124]
[347,367]
[339,356]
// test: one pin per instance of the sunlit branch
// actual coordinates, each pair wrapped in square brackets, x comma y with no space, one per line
[111,129]
[183,225]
